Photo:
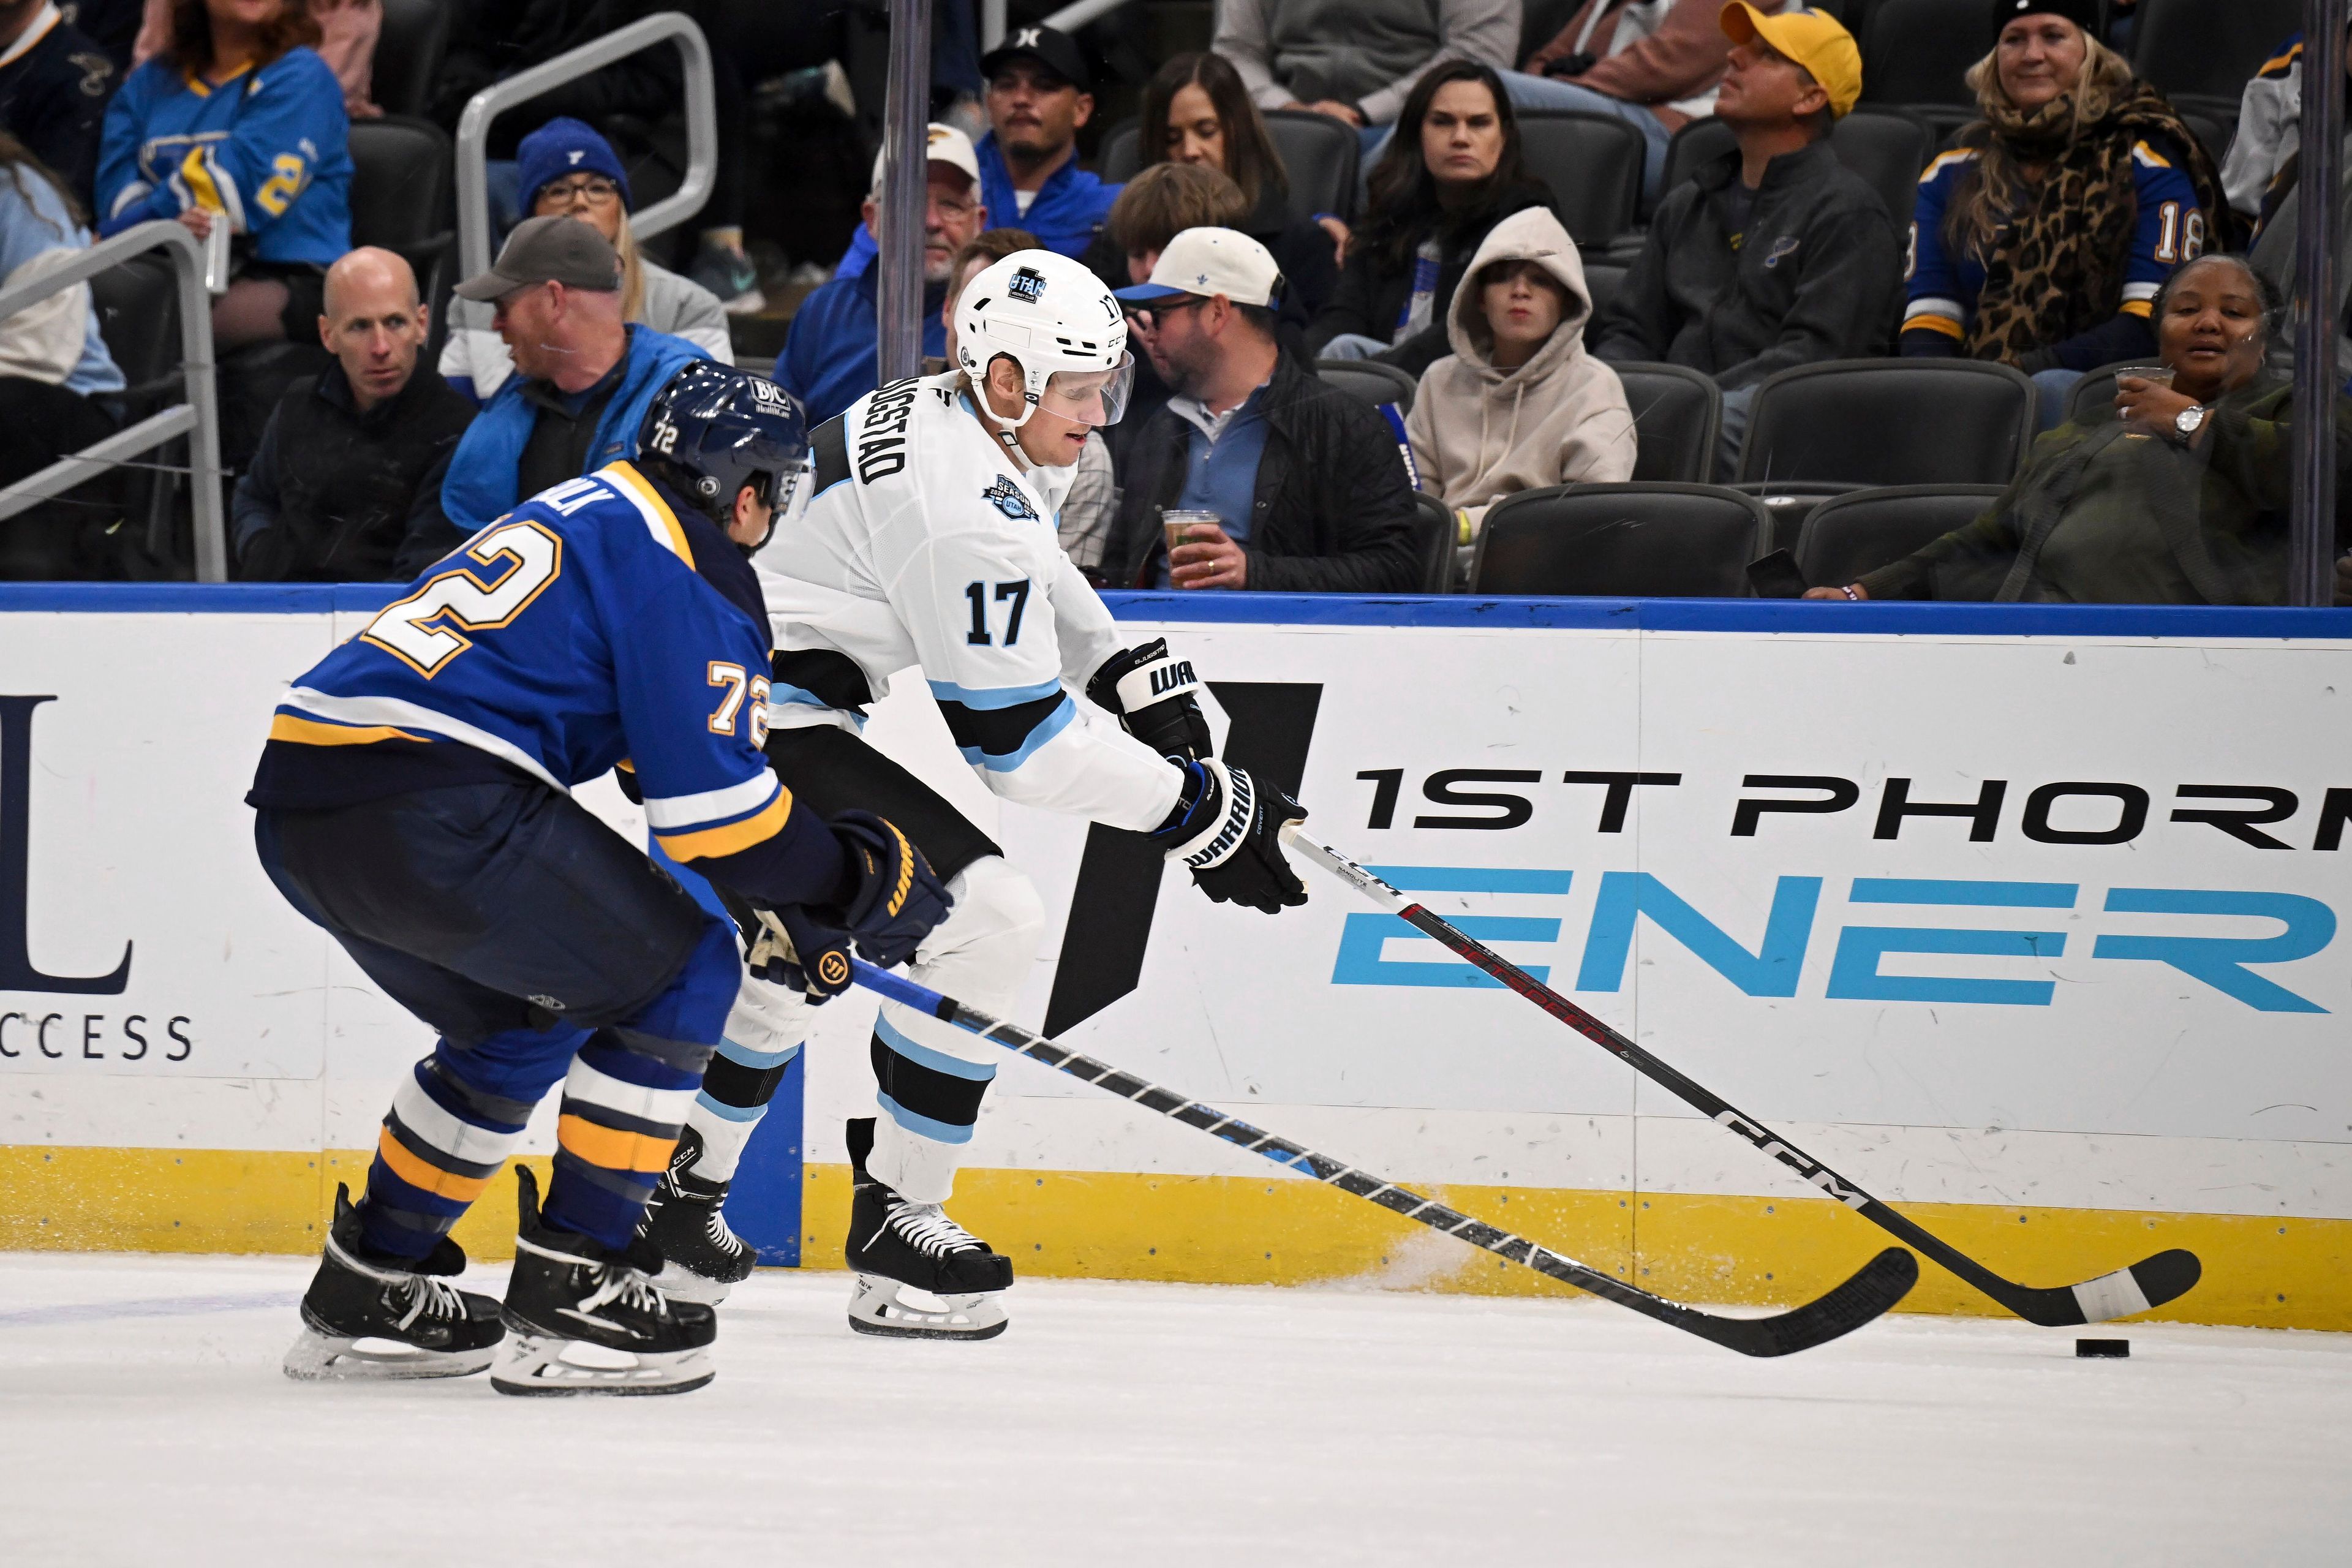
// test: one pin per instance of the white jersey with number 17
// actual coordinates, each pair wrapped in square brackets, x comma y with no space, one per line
[923,544]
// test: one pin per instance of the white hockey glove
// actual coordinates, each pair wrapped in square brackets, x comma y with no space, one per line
[1153,694]
[1227,829]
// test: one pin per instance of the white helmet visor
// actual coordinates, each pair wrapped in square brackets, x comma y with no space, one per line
[1093,397]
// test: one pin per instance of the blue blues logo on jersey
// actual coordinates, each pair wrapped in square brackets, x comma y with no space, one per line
[1008,498]
[1027,284]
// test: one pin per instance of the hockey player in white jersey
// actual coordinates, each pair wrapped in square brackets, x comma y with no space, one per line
[930,538]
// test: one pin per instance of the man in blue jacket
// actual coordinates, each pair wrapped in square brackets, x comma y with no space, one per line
[583,379]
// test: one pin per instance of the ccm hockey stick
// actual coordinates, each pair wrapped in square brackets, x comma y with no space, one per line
[1878,1287]
[2151,1282]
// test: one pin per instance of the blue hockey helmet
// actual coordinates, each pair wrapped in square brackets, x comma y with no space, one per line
[721,429]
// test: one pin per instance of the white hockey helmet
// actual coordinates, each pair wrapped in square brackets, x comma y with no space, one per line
[1053,319]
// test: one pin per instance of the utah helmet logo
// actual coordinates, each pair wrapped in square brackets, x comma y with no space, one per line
[1008,498]
[1028,284]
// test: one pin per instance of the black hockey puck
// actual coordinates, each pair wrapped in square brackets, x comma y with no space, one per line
[2103,1350]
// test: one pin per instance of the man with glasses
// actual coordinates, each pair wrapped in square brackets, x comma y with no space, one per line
[833,357]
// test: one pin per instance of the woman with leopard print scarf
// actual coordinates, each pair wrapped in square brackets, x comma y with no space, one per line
[2042,238]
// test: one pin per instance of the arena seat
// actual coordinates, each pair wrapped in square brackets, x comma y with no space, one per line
[1916,51]
[1434,529]
[1318,155]
[1862,530]
[1631,540]
[1677,416]
[2209,47]
[402,199]
[1375,382]
[138,306]
[1886,144]
[1602,281]
[1592,163]
[408,54]
[1698,142]
[1890,422]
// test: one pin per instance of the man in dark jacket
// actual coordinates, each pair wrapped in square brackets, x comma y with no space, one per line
[1774,256]
[345,486]
[55,85]
[1307,481]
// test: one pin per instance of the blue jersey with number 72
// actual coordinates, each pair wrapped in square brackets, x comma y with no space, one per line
[572,636]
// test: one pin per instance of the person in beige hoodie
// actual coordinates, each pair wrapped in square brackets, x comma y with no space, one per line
[1519,404]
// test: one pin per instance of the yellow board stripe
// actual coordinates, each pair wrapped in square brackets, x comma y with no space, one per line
[649,500]
[430,1178]
[612,1148]
[1933,324]
[710,843]
[315,733]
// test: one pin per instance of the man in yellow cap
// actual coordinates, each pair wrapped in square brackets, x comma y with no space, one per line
[1773,256]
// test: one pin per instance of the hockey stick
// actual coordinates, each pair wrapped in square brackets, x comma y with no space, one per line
[2150,1282]
[1876,1287]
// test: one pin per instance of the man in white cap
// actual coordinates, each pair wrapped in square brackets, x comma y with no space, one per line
[831,359]
[1306,480]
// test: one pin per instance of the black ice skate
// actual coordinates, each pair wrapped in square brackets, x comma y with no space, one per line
[701,1258]
[919,1275]
[585,1320]
[369,1316]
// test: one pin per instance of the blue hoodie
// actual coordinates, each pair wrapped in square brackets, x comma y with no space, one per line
[1068,210]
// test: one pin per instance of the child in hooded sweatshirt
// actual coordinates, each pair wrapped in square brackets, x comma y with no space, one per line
[1518,405]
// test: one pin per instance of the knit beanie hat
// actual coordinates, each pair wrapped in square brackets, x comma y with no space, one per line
[2088,15]
[566,146]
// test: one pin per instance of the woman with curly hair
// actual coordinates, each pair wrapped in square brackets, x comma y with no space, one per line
[2041,240]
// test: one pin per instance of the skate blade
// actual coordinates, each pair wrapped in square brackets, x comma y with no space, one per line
[318,1357]
[884,1307]
[681,1284]
[533,1363]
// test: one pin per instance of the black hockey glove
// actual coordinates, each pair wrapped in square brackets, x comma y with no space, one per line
[1227,827]
[890,901]
[1152,693]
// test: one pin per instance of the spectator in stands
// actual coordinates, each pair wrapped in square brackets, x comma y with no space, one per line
[583,374]
[113,25]
[1359,61]
[1305,479]
[1039,93]
[345,486]
[348,31]
[1196,111]
[55,372]
[2041,241]
[2261,169]
[1450,174]
[1775,255]
[55,83]
[1154,208]
[2180,496]
[1519,404]
[1654,64]
[1084,523]
[569,171]
[832,358]
[191,137]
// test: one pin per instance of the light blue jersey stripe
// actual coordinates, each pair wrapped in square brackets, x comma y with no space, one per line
[923,1126]
[993,696]
[745,1056]
[938,1061]
[1053,724]
[729,1112]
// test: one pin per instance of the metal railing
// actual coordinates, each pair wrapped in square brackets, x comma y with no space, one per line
[1069,18]
[198,419]
[701,128]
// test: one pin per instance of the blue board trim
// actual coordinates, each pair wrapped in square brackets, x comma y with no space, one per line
[2192,623]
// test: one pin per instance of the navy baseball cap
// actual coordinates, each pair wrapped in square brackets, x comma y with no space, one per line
[567,146]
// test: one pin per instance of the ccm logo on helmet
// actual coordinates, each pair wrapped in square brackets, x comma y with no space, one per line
[882,438]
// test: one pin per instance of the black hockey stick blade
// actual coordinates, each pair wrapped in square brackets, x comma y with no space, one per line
[1870,1293]
[2149,1283]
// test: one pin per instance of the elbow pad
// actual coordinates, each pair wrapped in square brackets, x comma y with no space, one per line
[1153,694]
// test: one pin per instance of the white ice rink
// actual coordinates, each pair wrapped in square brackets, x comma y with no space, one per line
[143,1420]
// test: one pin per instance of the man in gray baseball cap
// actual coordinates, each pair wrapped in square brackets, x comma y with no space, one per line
[584,375]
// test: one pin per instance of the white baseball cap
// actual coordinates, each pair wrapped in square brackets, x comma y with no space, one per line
[946,144]
[1211,261]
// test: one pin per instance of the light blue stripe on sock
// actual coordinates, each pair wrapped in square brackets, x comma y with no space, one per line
[923,1126]
[729,1112]
[938,1061]
[743,1056]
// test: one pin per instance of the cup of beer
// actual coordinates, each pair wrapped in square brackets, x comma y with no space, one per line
[1180,527]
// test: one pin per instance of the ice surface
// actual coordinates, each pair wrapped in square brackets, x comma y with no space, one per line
[142,1419]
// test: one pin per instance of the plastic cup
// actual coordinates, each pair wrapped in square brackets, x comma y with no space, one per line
[2159,374]
[1179,526]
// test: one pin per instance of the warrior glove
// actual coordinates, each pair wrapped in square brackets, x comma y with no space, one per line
[1227,829]
[1152,693]
[889,901]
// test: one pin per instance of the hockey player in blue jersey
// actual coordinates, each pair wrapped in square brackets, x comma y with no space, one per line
[412,800]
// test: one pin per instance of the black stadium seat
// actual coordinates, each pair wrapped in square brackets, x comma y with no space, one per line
[1318,157]
[1434,528]
[138,306]
[2209,47]
[1602,281]
[1678,415]
[408,54]
[1860,531]
[1890,422]
[402,197]
[1887,147]
[1636,540]
[1592,164]
[1700,142]
[1916,51]
[1375,382]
